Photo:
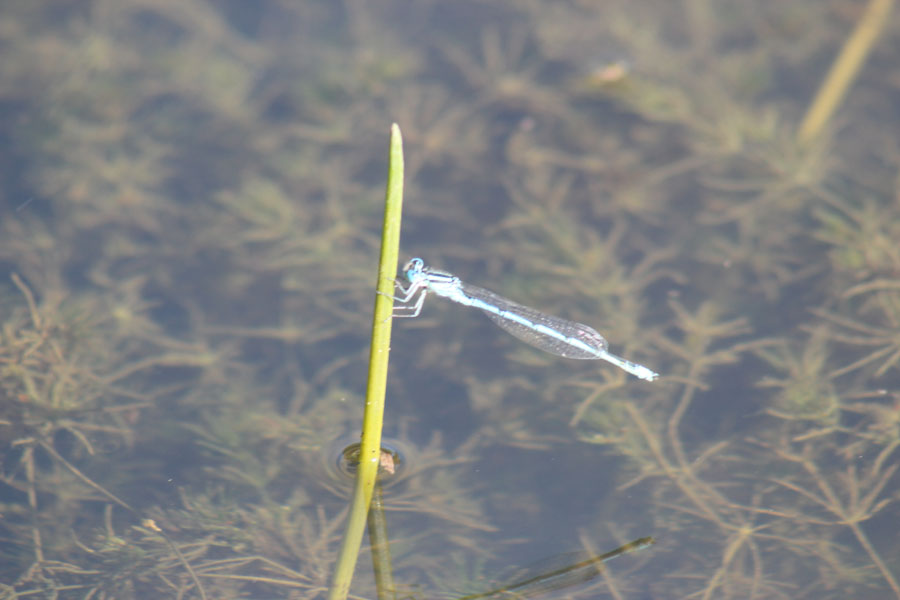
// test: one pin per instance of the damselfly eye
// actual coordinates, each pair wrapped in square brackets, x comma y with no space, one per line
[414,265]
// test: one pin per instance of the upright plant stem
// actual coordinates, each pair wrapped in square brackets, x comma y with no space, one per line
[370,447]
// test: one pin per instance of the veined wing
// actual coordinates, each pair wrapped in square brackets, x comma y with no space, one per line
[543,331]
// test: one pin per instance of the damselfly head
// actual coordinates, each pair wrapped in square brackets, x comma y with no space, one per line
[412,267]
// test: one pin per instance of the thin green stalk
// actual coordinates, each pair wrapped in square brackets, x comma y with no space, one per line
[370,447]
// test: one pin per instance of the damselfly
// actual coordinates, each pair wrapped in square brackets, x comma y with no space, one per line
[546,332]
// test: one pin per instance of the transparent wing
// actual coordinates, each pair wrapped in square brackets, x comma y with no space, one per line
[505,312]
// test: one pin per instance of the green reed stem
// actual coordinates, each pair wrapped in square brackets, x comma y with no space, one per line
[370,447]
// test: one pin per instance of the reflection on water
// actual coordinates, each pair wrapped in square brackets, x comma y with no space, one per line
[191,212]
